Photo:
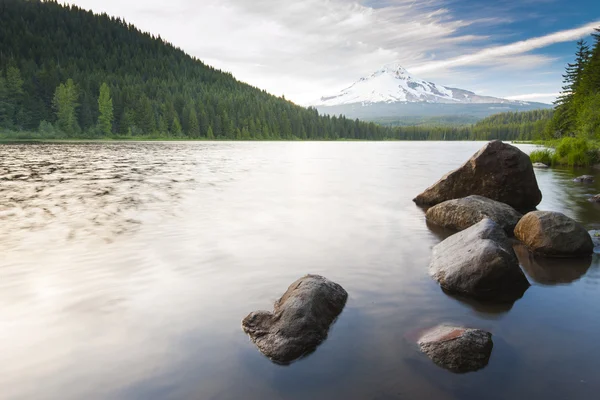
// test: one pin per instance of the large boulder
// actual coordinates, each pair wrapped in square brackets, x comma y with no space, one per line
[463,213]
[498,171]
[457,349]
[479,262]
[300,320]
[553,234]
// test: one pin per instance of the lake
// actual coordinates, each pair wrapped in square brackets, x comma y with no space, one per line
[126,269]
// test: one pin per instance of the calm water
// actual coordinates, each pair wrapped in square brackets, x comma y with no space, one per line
[125,271]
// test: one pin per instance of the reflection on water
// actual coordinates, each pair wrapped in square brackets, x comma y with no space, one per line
[551,271]
[126,269]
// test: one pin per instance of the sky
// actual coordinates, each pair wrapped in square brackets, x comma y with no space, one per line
[306,49]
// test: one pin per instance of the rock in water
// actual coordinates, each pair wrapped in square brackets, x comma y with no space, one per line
[479,262]
[553,234]
[584,179]
[461,214]
[540,165]
[457,349]
[595,199]
[498,171]
[300,320]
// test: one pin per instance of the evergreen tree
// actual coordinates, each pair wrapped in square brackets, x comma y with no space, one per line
[105,107]
[564,118]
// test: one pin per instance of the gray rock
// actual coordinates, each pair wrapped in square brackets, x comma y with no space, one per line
[457,349]
[498,171]
[479,262]
[463,213]
[540,165]
[300,320]
[553,234]
[595,199]
[584,179]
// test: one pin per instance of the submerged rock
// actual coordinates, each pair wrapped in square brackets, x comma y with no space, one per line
[479,262]
[584,179]
[553,234]
[463,213]
[540,165]
[498,171]
[457,349]
[300,320]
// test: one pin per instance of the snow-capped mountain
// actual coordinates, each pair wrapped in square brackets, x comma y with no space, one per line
[393,84]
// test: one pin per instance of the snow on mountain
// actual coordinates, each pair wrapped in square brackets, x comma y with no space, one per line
[393,84]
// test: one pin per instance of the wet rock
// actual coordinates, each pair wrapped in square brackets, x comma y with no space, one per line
[463,213]
[584,179]
[540,165]
[498,171]
[300,320]
[457,349]
[595,199]
[552,271]
[553,234]
[479,262]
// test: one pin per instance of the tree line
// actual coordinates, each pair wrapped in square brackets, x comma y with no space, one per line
[69,73]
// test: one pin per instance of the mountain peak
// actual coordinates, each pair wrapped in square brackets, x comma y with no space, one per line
[393,84]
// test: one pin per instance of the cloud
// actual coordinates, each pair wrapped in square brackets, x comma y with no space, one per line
[489,55]
[534,96]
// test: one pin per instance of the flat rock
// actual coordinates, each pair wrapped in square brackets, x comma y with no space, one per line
[479,262]
[300,320]
[553,234]
[498,171]
[540,165]
[460,214]
[584,179]
[457,349]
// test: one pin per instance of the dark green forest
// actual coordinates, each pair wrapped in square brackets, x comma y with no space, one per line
[69,73]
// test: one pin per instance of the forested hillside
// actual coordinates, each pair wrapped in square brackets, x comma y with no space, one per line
[54,60]
[68,73]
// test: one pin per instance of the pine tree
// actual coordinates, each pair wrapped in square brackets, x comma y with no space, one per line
[105,107]
[210,135]
[564,118]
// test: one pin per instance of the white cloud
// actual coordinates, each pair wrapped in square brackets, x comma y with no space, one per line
[490,55]
[540,97]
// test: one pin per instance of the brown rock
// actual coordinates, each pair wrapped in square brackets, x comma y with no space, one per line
[457,349]
[553,234]
[300,320]
[498,171]
[461,214]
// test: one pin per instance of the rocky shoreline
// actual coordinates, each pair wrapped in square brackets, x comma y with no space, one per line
[490,202]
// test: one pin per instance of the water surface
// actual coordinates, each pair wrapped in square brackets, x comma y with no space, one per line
[125,271]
